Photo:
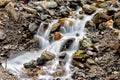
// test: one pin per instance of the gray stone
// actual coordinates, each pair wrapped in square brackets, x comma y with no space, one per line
[2,35]
[32,27]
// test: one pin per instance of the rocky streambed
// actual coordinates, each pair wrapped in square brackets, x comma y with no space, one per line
[60,40]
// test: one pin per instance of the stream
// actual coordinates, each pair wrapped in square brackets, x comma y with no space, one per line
[75,31]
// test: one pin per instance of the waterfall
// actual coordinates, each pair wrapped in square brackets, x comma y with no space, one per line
[74,31]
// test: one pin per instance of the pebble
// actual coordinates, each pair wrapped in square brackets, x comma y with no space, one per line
[2,34]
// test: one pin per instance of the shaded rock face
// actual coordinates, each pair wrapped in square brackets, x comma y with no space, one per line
[41,61]
[10,8]
[100,17]
[89,9]
[4,2]
[90,26]
[67,44]
[117,20]
[30,65]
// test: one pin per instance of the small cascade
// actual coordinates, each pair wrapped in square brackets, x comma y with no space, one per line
[73,32]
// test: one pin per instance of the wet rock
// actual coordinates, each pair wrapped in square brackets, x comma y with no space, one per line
[73,5]
[30,65]
[58,73]
[47,55]
[55,27]
[29,10]
[33,27]
[42,72]
[90,26]
[40,61]
[117,20]
[64,13]
[57,36]
[10,8]
[90,61]
[62,55]
[111,11]
[62,21]
[2,35]
[66,44]
[4,2]
[89,9]
[79,54]
[104,4]
[62,62]
[100,17]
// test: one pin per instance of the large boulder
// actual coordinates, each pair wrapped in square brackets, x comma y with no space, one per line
[100,17]
[10,9]
[4,2]
[88,9]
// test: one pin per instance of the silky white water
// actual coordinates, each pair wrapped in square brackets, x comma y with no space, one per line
[15,65]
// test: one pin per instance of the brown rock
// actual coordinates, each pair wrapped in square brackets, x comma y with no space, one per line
[10,8]
[57,36]
[89,9]
[4,2]
[30,10]
[100,17]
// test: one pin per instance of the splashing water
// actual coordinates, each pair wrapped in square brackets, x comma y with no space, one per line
[15,65]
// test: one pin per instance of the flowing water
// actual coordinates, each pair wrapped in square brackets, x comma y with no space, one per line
[15,65]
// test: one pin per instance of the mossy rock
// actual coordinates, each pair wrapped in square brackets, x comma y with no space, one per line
[79,54]
[47,55]
[85,43]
